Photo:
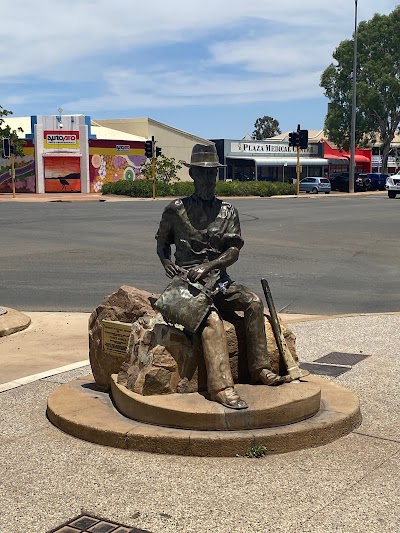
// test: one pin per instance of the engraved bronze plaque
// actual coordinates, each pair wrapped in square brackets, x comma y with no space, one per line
[115,337]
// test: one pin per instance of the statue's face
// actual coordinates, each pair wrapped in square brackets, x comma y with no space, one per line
[205,180]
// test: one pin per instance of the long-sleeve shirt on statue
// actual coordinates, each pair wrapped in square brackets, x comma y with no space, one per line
[201,230]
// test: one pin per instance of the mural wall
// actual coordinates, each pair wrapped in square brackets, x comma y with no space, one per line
[62,174]
[114,160]
[25,180]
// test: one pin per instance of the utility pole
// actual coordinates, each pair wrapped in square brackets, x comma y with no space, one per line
[150,152]
[298,139]
[298,162]
[153,166]
[13,170]
[353,106]
[9,152]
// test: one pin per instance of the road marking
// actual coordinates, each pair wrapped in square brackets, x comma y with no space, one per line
[35,377]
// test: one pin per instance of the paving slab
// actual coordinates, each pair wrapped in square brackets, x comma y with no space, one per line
[349,513]
[52,340]
[376,378]
[64,476]
[347,486]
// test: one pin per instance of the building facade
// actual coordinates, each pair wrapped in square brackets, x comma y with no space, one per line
[72,153]
[274,160]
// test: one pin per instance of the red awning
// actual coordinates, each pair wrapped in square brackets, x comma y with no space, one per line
[359,158]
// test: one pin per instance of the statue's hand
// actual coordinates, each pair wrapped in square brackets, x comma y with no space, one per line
[199,272]
[171,269]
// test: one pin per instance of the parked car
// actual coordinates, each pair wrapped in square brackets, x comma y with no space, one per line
[363,181]
[373,181]
[315,185]
[340,182]
[393,185]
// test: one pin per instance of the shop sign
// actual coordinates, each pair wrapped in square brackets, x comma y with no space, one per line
[123,148]
[61,139]
[377,160]
[270,148]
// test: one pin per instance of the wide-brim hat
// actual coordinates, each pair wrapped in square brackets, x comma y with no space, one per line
[204,155]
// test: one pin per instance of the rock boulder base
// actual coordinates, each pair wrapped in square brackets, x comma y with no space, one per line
[127,304]
[160,358]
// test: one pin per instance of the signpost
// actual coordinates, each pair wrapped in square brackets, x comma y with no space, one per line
[299,139]
[13,170]
[153,167]
[8,152]
[151,152]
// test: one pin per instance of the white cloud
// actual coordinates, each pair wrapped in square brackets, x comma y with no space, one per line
[274,55]
[130,89]
[245,52]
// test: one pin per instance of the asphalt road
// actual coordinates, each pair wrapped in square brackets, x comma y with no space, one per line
[320,254]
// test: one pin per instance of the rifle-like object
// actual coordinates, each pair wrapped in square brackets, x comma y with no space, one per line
[293,369]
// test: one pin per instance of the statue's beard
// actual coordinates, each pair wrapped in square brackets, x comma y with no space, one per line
[205,191]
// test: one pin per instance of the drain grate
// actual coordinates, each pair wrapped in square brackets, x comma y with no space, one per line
[93,524]
[341,358]
[324,370]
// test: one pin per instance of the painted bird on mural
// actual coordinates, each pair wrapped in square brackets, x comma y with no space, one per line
[64,183]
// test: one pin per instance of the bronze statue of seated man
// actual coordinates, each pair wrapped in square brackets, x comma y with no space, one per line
[207,238]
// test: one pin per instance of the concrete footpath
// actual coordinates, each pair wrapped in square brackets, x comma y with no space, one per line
[351,485]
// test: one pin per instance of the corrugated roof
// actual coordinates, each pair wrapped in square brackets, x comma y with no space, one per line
[102,132]
[18,122]
[122,122]
[313,135]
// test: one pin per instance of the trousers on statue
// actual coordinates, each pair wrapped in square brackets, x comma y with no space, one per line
[215,347]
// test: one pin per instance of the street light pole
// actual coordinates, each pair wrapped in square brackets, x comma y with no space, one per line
[353,106]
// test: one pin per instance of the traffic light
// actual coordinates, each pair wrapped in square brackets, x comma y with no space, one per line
[158,152]
[294,138]
[6,147]
[148,149]
[303,138]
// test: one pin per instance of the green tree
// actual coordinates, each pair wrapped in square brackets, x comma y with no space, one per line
[265,127]
[7,132]
[378,85]
[166,169]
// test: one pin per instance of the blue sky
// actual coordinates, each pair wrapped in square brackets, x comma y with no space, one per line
[210,67]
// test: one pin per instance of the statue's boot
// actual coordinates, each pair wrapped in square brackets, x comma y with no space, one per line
[229,398]
[266,377]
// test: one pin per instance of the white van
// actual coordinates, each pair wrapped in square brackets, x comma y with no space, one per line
[393,185]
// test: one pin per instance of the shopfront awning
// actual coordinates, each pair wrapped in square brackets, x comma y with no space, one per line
[359,158]
[338,160]
[282,161]
[62,154]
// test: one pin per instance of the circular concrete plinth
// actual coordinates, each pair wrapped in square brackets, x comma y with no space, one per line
[268,407]
[82,410]
[12,321]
